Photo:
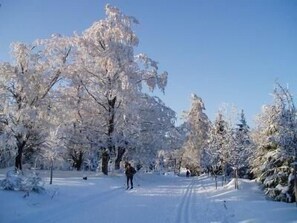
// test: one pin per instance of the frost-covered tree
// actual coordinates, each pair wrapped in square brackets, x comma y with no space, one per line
[276,143]
[99,106]
[155,130]
[26,86]
[220,140]
[198,125]
[52,151]
[241,151]
[104,63]
[75,132]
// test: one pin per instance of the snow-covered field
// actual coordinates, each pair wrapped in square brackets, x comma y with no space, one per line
[155,199]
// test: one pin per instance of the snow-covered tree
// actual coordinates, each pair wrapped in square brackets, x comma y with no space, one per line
[220,140]
[198,125]
[52,151]
[276,141]
[25,86]
[111,74]
[241,151]
[156,130]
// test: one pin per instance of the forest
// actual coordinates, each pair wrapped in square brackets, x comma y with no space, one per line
[85,102]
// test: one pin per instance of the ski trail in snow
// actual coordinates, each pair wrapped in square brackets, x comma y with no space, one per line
[190,209]
[198,205]
[208,207]
[184,211]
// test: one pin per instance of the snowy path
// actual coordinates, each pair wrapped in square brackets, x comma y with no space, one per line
[186,210]
[197,206]
[183,207]
[155,199]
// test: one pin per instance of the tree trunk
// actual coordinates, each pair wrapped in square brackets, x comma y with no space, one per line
[77,158]
[295,180]
[80,160]
[51,174]
[236,179]
[105,159]
[110,130]
[223,171]
[121,152]
[18,159]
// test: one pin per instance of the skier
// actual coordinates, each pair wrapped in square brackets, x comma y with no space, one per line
[188,173]
[129,171]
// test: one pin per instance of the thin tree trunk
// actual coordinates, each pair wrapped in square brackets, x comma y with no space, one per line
[223,174]
[18,161]
[120,153]
[236,179]
[51,174]
[295,169]
[77,158]
[105,159]
[295,180]
[18,158]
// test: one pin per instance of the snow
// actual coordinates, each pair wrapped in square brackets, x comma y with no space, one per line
[156,198]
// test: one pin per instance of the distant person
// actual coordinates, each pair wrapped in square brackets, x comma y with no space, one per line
[129,171]
[188,173]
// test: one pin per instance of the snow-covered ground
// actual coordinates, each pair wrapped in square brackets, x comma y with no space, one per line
[155,199]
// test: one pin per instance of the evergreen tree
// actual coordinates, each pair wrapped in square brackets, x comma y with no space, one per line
[198,127]
[219,145]
[241,150]
[275,139]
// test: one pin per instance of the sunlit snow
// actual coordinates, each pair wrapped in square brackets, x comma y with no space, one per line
[157,198]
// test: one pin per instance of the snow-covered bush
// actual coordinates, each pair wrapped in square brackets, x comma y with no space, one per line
[12,181]
[19,182]
[276,177]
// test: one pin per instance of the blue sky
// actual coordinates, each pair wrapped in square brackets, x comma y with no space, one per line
[224,51]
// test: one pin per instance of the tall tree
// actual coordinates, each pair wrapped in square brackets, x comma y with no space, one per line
[155,129]
[198,124]
[25,86]
[219,143]
[105,65]
[276,140]
[241,151]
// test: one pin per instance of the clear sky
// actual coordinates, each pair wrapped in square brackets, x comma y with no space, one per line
[224,51]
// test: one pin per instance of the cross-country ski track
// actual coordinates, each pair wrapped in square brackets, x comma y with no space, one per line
[156,198]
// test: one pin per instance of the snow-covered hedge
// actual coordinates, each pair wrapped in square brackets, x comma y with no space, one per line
[19,182]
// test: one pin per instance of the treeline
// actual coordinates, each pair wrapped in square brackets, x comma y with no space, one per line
[78,101]
[230,148]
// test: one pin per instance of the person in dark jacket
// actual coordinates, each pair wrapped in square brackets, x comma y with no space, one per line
[129,171]
[188,173]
